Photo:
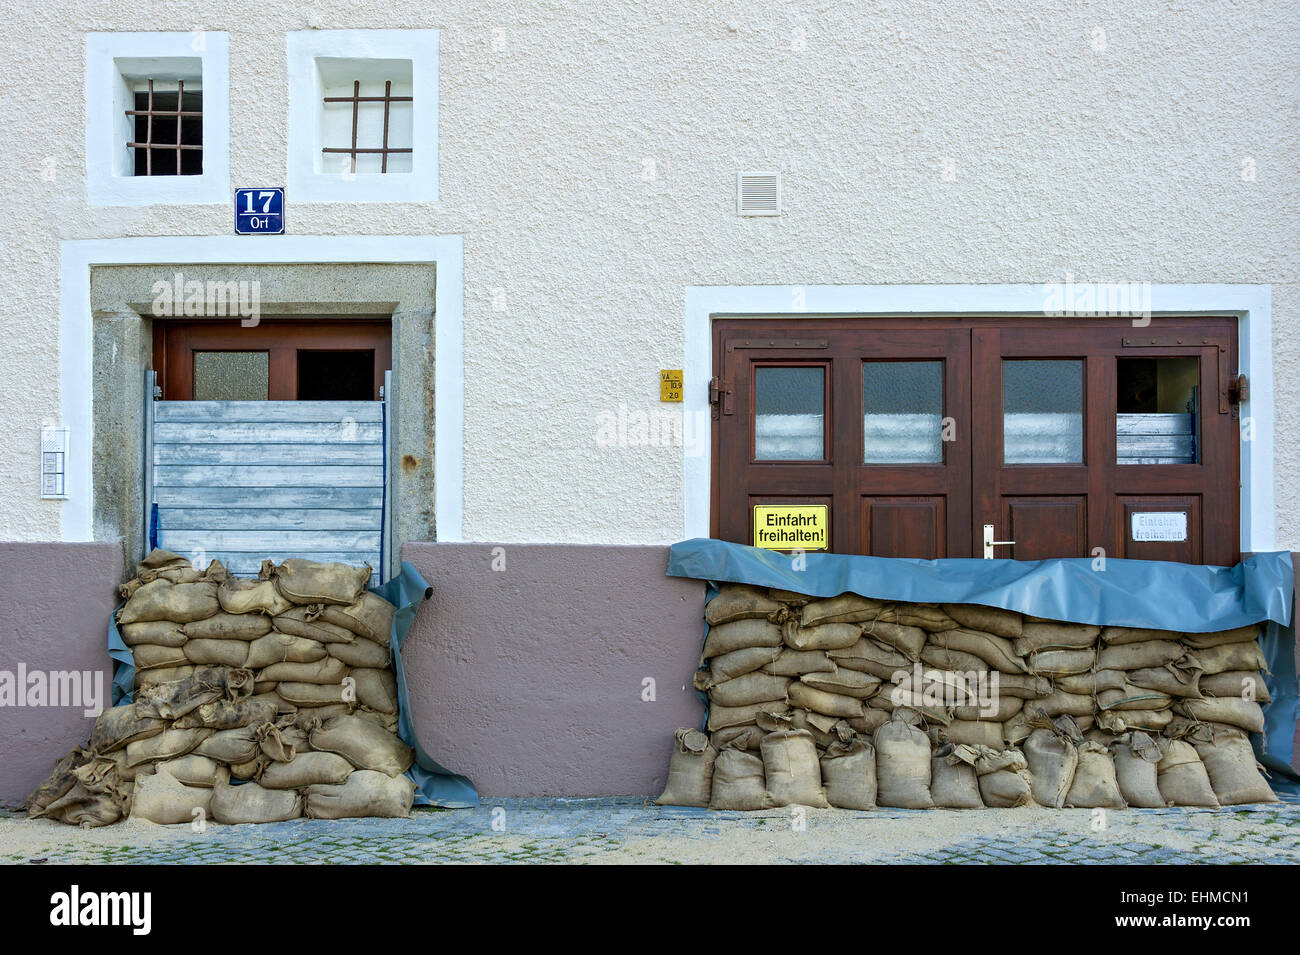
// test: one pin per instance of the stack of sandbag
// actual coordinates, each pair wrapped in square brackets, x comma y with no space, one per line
[912,705]
[256,700]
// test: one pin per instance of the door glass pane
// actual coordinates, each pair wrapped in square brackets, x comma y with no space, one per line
[1042,412]
[902,412]
[789,414]
[231,375]
[1156,403]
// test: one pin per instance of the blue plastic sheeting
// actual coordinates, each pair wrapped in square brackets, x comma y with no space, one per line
[434,785]
[1119,593]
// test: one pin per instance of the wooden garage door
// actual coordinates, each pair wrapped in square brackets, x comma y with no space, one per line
[1061,437]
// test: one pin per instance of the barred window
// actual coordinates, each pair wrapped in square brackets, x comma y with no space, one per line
[167,124]
[372,103]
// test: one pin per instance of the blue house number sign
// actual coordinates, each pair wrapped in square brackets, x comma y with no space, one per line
[259,212]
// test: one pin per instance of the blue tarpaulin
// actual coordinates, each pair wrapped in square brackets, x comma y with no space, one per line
[1148,594]
[434,785]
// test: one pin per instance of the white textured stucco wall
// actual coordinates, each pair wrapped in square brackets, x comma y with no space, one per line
[1115,158]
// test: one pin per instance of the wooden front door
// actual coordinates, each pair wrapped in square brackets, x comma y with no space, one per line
[920,434]
[275,360]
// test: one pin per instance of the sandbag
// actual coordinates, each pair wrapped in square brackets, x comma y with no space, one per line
[309,582]
[361,653]
[307,769]
[162,600]
[376,689]
[848,772]
[738,737]
[740,602]
[363,744]
[204,652]
[738,781]
[791,769]
[240,595]
[1023,685]
[819,701]
[1121,635]
[363,794]
[870,657]
[1180,678]
[1052,755]
[195,770]
[229,626]
[163,563]
[251,769]
[232,747]
[1001,709]
[161,798]
[721,717]
[870,721]
[160,633]
[844,682]
[282,648]
[168,744]
[1136,756]
[734,664]
[118,726]
[827,636]
[750,688]
[310,694]
[997,652]
[968,733]
[1245,634]
[251,803]
[1094,785]
[1004,780]
[690,770]
[307,622]
[1132,698]
[738,635]
[846,608]
[953,782]
[1055,636]
[795,663]
[1231,656]
[145,678]
[1092,683]
[370,617]
[1002,623]
[59,782]
[903,763]
[228,714]
[928,617]
[175,698]
[1233,772]
[959,660]
[1123,721]
[908,641]
[1232,710]
[1139,656]
[1243,684]
[1056,663]
[328,670]
[1181,776]
[148,656]
[273,743]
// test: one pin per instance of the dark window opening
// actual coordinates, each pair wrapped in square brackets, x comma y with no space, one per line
[168,128]
[336,375]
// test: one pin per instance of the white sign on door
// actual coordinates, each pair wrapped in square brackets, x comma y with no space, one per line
[1159,525]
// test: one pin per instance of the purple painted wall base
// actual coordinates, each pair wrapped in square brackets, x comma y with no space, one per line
[54,605]
[529,680]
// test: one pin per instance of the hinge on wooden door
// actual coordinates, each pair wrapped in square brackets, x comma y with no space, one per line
[1238,389]
[720,393]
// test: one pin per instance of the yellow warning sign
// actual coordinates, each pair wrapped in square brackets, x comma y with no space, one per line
[792,526]
[670,384]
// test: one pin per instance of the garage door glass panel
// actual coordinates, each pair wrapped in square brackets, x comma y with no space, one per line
[1042,412]
[902,412]
[790,414]
[231,375]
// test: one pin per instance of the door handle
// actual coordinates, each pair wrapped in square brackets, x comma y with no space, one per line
[990,543]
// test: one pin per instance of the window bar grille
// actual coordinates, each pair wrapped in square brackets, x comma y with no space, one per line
[356,99]
[149,113]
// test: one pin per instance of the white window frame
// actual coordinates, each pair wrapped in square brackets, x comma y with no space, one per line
[106,185]
[305,184]
[1251,305]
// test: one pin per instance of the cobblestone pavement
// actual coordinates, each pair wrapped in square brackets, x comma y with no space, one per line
[631,830]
